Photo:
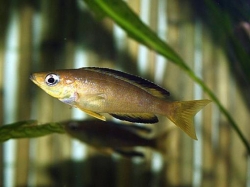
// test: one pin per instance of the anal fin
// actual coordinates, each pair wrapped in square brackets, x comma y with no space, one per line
[136,117]
[93,114]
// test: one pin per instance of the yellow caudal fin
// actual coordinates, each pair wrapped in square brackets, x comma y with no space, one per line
[181,113]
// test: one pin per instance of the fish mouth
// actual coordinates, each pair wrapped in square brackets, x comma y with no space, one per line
[33,79]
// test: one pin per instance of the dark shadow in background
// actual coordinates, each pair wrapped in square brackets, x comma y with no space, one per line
[99,171]
[95,171]
[220,15]
[228,22]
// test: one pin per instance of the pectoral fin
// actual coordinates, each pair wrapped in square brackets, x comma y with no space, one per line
[91,102]
[93,97]
[136,117]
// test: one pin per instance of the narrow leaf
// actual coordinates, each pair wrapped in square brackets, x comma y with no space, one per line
[28,129]
[131,23]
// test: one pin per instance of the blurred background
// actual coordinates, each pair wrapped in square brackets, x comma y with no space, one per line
[213,38]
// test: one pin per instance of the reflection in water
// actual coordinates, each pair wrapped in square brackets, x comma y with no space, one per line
[104,171]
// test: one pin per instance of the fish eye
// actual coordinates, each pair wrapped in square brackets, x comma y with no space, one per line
[73,126]
[52,79]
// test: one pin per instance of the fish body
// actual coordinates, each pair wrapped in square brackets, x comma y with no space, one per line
[109,134]
[109,137]
[124,96]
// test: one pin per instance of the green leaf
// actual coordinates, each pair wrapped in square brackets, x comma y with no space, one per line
[135,28]
[123,16]
[28,129]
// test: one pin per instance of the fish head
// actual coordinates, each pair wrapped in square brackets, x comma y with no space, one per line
[80,130]
[58,84]
[76,127]
[72,127]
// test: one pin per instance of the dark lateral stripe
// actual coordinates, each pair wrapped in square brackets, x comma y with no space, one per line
[136,118]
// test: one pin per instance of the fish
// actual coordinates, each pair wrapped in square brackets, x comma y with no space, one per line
[98,91]
[110,136]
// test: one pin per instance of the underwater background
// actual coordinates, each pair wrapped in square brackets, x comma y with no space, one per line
[212,38]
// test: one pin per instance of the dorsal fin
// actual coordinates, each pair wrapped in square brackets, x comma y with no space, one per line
[144,84]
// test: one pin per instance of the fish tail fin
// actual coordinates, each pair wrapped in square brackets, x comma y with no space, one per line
[161,141]
[181,113]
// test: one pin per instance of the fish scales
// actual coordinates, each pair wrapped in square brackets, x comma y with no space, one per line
[118,96]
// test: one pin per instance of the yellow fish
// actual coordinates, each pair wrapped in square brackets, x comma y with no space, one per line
[124,96]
